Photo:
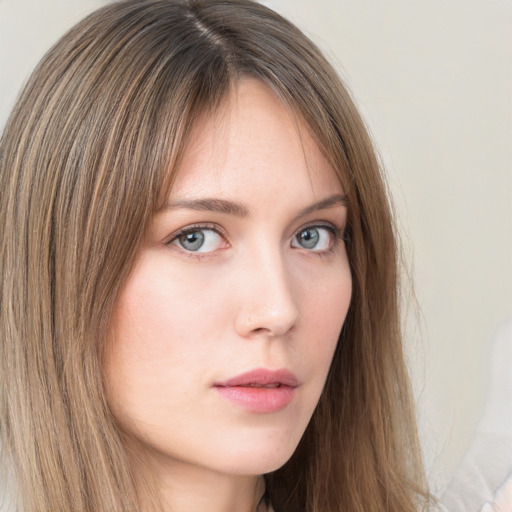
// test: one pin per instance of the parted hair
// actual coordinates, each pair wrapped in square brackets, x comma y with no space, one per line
[95,137]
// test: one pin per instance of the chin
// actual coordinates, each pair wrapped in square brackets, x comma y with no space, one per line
[260,458]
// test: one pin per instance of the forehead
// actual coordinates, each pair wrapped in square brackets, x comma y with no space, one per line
[253,143]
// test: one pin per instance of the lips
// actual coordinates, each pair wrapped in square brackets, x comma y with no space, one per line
[262,377]
[260,390]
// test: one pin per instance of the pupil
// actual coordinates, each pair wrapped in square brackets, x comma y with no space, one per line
[192,241]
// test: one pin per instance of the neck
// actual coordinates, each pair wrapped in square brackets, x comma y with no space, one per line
[187,488]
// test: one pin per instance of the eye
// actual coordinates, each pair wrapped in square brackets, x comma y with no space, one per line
[198,240]
[314,238]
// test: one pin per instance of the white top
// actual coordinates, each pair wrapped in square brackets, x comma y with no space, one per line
[483,481]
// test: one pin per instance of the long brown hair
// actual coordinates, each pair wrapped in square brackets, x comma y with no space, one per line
[84,158]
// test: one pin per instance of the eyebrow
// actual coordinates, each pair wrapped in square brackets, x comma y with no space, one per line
[240,210]
[324,204]
[210,205]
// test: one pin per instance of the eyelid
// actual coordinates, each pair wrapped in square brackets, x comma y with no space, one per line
[338,232]
[196,226]
[190,228]
[338,236]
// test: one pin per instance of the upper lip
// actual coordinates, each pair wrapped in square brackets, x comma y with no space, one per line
[262,377]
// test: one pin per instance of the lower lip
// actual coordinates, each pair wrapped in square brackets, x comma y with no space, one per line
[259,400]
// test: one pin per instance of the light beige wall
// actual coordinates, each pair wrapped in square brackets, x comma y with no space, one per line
[433,79]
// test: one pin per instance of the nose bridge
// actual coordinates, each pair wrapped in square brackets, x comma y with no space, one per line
[269,303]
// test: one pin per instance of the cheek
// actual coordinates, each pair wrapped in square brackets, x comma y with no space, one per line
[325,303]
[161,312]
[165,328]
[325,296]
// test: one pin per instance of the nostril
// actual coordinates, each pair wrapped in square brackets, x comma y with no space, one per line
[272,332]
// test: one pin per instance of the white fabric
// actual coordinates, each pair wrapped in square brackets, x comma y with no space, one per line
[502,501]
[483,482]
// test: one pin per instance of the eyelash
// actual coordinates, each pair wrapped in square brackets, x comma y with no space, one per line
[196,227]
[192,228]
[339,235]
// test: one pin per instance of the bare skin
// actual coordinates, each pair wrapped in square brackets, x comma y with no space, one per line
[245,270]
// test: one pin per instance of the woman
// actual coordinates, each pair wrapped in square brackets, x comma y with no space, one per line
[199,308]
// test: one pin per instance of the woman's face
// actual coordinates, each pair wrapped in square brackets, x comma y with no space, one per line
[225,329]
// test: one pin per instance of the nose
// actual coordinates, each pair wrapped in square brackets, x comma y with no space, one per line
[268,302]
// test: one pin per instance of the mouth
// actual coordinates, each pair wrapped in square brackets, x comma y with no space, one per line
[260,391]
[257,385]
